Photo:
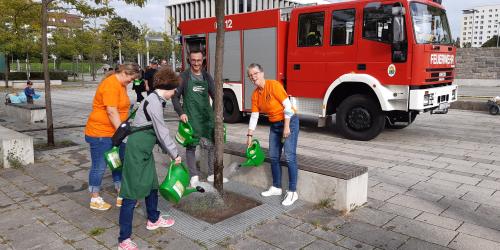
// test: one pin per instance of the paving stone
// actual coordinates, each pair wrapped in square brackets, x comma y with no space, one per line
[457,178]
[306,227]
[439,189]
[88,244]
[474,217]
[326,235]
[280,235]
[321,244]
[464,241]
[424,195]
[439,221]
[490,184]
[469,169]
[455,161]
[392,188]
[374,203]
[417,203]
[462,204]
[480,198]
[413,170]
[372,235]
[380,194]
[250,243]
[440,182]
[479,231]
[434,164]
[288,221]
[353,244]
[372,216]
[416,244]
[421,230]
[400,210]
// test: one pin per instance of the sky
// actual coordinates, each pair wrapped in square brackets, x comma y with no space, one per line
[153,14]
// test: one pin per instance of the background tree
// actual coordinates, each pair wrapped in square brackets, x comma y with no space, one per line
[219,130]
[120,30]
[19,30]
[492,42]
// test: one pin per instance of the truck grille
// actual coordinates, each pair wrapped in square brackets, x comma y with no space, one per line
[439,75]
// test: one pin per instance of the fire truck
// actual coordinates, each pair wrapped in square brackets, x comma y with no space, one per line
[372,63]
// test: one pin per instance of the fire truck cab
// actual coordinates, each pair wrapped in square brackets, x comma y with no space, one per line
[372,63]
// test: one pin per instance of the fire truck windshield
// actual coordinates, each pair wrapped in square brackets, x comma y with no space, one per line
[430,24]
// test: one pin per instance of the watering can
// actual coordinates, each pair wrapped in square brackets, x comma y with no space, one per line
[185,134]
[175,185]
[112,158]
[255,155]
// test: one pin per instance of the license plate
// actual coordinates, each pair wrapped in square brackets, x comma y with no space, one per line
[442,74]
[444,105]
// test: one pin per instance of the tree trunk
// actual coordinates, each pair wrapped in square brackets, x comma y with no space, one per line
[219,130]
[48,102]
[7,70]
[93,67]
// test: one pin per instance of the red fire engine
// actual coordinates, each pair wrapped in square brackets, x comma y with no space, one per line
[373,63]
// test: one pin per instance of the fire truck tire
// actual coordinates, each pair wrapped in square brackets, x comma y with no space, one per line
[232,113]
[494,110]
[360,118]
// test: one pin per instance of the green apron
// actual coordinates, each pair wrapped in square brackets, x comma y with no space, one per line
[139,171]
[198,109]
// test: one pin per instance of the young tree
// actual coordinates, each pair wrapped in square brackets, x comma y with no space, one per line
[219,130]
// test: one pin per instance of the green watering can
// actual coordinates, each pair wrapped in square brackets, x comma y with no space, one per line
[112,158]
[185,134]
[255,155]
[174,187]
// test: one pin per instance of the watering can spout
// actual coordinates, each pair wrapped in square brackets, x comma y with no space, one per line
[192,190]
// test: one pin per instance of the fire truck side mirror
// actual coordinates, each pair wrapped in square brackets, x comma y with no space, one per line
[399,41]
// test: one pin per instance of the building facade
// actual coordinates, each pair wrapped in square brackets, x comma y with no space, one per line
[180,10]
[479,25]
[63,21]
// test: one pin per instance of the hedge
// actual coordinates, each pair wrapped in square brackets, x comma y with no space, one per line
[63,76]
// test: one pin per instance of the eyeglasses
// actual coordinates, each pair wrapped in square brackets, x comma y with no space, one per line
[254,74]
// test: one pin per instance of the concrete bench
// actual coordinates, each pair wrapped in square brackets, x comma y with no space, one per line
[346,185]
[37,84]
[15,148]
[26,112]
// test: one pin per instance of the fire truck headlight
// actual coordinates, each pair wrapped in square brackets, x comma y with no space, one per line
[428,98]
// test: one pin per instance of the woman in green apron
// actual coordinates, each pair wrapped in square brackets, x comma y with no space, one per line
[139,178]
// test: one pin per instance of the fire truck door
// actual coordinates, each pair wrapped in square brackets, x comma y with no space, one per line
[259,46]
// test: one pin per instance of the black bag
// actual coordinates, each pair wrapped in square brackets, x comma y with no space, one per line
[125,129]
[122,131]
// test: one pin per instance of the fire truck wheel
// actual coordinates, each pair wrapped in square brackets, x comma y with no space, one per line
[360,118]
[232,113]
[494,110]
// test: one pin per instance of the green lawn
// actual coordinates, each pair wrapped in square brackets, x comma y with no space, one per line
[65,66]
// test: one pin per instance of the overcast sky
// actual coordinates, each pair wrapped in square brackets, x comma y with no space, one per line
[153,14]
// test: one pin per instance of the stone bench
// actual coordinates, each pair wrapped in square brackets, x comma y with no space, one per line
[345,185]
[37,84]
[26,112]
[15,148]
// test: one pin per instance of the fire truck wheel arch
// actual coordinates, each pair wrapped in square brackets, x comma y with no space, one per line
[385,95]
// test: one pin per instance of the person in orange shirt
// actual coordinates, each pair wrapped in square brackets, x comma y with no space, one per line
[110,108]
[271,98]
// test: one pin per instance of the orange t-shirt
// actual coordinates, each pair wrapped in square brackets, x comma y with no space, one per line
[109,93]
[270,100]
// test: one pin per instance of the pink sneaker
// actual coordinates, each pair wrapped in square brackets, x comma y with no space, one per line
[161,222]
[127,244]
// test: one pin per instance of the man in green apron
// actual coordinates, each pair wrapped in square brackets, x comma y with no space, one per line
[196,89]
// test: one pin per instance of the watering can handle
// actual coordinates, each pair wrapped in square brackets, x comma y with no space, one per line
[172,163]
[256,141]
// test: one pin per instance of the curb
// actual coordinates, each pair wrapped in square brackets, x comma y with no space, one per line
[470,105]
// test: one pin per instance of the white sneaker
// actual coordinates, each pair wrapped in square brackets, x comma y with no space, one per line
[290,198]
[210,178]
[271,191]
[194,181]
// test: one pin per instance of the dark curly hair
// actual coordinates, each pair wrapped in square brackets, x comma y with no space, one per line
[165,78]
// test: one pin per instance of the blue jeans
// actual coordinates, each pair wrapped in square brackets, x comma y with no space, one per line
[127,213]
[290,145]
[98,146]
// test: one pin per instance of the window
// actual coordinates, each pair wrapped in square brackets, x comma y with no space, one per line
[465,33]
[377,22]
[311,29]
[343,27]
[465,23]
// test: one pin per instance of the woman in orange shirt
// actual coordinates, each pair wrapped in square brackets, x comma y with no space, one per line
[110,108]
[271,98]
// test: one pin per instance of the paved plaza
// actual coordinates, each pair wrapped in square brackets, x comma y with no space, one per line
[432,185]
